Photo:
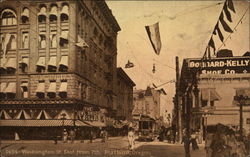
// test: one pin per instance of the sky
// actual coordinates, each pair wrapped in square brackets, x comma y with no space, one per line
[185,28]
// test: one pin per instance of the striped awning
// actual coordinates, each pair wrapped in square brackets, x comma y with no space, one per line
[42,123]
[96,123]
[223,119]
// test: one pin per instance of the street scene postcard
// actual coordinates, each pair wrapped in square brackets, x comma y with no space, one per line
[124,78]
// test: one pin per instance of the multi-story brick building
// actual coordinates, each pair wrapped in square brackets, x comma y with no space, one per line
[58,64]
[124,95]
[217,83]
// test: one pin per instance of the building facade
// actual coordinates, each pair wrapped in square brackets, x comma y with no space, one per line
[124,95]
[58,63]
[211,89]
[149,103]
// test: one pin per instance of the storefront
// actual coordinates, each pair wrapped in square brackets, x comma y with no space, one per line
[216,86]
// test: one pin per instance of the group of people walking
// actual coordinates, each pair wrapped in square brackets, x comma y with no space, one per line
[226,143]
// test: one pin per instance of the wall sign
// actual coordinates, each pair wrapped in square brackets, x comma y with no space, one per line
[232,65]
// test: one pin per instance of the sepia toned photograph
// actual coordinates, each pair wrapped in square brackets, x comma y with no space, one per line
[124,78]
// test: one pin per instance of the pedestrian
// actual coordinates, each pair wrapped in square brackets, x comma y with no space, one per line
[186,141]
[194,141]
[232,144]
[218,146]
[241,150]
[91,135]
[65,136]
[208,141]
[72,135]
[131,139]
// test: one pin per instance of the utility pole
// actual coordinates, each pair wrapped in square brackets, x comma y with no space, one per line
[188,112]
[177,94]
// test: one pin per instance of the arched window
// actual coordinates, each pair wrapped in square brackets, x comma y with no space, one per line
[25,15]
[53,13]
[8,17]
[65,13]
[42,40]
[42,15]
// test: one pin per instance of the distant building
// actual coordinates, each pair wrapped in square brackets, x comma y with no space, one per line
[58,65]
[124,95]
[149,103]
[220,82]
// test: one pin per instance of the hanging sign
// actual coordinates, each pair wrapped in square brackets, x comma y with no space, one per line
[232,65]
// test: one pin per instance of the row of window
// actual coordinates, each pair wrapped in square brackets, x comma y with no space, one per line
[8,90]
[8,66]
[53,13]
[9,17]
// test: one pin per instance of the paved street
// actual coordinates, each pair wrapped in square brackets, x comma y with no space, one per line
[115,147]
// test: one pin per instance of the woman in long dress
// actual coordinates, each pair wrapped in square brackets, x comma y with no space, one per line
[131,138]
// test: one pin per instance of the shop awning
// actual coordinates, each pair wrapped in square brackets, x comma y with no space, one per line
[243,92]
[11,63]
[4,115]
[41,123]
[96,123]
[210,95]
[52,87]
[11,88]
[45,114]
[2,87]
[64,61]
[23,114]
[41,62]
[52,61]
[223,119]
[63,87]
[40,87]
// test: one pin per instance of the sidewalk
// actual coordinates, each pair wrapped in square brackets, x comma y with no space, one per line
[59,141]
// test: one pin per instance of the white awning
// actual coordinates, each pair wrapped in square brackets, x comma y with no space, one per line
[210,95]
[2,87]
[41,62]
[81,43]
[24,61]
[64,61]
[63,114]
[223,119]
[243,92]
[11,63]
[25,12]
[26,115]
[63,87]
[65,10]
[46,115]
[11,88]
[24,86]
[64,35]
[40,87]
[53,11]
[4,114]
[52,87]
[52,61]
[42,11]
[6,42]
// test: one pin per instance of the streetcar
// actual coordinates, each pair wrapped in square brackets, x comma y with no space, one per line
[146,129]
